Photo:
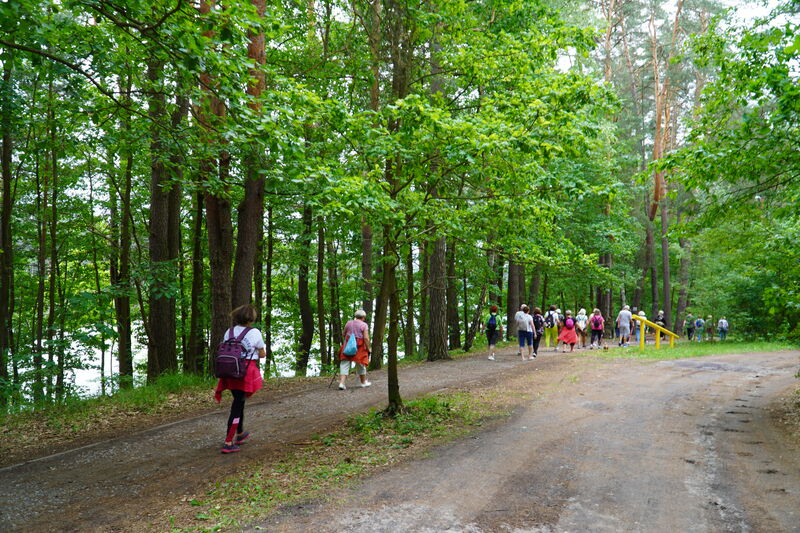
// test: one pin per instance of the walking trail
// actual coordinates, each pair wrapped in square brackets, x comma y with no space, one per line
[608,445]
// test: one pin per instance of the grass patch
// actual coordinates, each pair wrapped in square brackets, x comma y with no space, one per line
[327,464]
[688,349]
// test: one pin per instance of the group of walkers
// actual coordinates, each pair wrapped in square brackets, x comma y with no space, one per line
[559,330]
[562,330]
[254,349]
[699,329]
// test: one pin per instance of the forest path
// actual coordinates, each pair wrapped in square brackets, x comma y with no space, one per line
[610,440]
[685,445]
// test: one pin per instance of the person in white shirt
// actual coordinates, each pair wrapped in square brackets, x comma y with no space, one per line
[524,331]
[624,324]
[722,328]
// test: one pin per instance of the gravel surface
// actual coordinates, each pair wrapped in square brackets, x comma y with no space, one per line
[686,445]
[609,445]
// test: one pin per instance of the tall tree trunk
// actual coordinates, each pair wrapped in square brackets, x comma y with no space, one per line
[164,231]
[336,317]
[453,326]
[521,285]
[545,305]
[366,269]
[384,294]
[97,287]
[268,289]
[193,358]
[650,264]
[437,302]
[409,335]
[683,278]
[121,268]
[258,273]
[373,30]
[41,258]
[395,401]
[251,209]
[219,228]
[303,295]
[535,286]
[320,288]
[513,302]
[6,249]
[424,262]
[665,267]
[53,233]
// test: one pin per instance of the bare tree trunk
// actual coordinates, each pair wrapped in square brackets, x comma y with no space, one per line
[120,273]
[374,37]
[683,278]
[219,226]
[513,302]
[6,248]
[545,305]
[268,289]
[650,264]
[53,231]
[409,335]
[395,401]
[38,345]
[303,296]
[336,317]
[535,286]
[437,305]
[424,261]
[454,330]
[665,267]
[192,359]
[320,289]
[164,231]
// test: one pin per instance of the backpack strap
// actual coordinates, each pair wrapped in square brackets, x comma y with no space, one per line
[241,335]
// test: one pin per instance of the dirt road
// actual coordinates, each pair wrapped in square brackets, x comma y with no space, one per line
[610,445]
[667,447]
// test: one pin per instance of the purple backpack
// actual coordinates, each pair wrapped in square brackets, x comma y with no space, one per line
[231,360]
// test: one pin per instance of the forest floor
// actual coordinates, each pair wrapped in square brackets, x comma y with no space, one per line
[594,443]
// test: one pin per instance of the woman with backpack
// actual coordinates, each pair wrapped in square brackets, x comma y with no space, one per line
[252,343]
[494,328]
[551,327]
[359,329]
[538,329]
[700,326]
[596,323]
[568,334]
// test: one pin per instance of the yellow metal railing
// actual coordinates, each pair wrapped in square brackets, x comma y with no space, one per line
[659,329]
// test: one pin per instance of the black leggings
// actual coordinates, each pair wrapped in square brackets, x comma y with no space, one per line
[597,335]
[536,340]
[237,410]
